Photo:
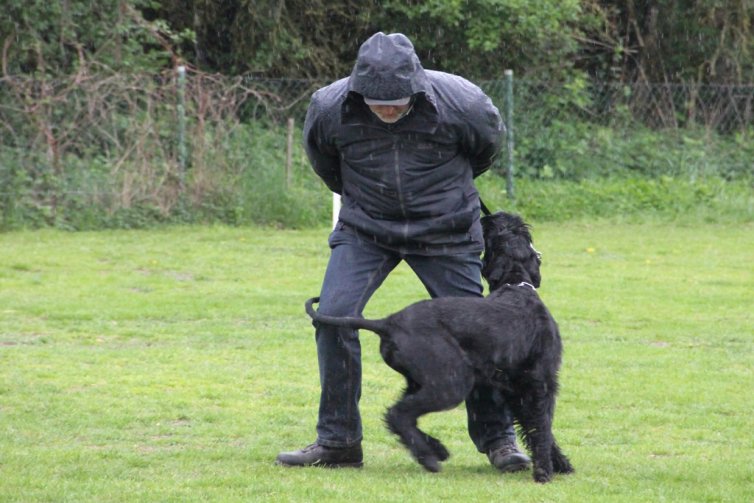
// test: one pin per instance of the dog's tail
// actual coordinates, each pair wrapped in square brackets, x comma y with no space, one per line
[376,326]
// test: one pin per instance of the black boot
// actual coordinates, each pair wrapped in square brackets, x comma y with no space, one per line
[319,455]
[506,457]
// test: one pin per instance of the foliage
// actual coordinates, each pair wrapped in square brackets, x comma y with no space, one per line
[576,130]
[471,37]
[702,41]
[298,38]
[101,151]
[58,38]
[321,39]
[577,150]
[241,180]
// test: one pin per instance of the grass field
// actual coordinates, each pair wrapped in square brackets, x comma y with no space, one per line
[173,365]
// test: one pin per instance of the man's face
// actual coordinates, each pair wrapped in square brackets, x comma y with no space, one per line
[389,113]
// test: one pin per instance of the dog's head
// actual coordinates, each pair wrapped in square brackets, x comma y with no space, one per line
[509,255]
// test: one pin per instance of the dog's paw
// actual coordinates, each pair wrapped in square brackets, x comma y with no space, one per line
[542,476]
[430,463]
[563,466]
[438,448]
[442,452]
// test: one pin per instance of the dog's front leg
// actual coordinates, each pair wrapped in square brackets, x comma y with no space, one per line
[532,412]
[541,455]
[560,463]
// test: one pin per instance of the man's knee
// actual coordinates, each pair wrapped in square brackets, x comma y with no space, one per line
[338,304]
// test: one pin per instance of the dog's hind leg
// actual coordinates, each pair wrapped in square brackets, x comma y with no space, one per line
[433,386]
[399,419]
[402,419]
[437,447]
[434,444]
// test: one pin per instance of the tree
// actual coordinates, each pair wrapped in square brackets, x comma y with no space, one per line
[480,38]
[271,38]
[320,38]
[57,38]
[703,41]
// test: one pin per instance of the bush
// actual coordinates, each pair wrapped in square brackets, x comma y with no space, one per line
[578,150]
[625,198]
[239,178]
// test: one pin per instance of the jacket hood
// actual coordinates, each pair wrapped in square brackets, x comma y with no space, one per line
[387,68]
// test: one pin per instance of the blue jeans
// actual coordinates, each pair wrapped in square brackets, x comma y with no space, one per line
[356,269]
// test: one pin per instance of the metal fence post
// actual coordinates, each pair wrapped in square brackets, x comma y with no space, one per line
[182,124]
[289,154]
[509,136]
[7,195]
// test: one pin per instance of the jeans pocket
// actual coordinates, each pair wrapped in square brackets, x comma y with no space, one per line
[340,235]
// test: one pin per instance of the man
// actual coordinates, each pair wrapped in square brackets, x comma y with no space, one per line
[401,145]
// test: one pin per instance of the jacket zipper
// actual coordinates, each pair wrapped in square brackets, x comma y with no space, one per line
[399,188]
[398,182]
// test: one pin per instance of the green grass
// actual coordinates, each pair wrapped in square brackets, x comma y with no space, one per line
[173,365]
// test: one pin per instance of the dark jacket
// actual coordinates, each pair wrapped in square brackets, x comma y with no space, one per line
[409,185]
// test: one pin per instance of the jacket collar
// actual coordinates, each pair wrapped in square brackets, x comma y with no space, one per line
[423,118]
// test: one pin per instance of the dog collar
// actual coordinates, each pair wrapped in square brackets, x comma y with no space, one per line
[524,283]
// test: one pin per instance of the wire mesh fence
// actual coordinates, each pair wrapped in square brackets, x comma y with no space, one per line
[718,108]
[583,129]
[111,141]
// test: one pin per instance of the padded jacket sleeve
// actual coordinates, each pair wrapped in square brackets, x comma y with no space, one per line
[484,134]
[319,146]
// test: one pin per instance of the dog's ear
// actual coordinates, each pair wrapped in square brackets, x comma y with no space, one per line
[518,247]
[532,267]
[522,250]
[495,270]
[509,254]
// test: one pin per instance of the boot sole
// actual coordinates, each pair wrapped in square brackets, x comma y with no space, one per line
[515,467]
[320,464]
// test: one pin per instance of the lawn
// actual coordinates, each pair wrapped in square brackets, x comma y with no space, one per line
[173,365]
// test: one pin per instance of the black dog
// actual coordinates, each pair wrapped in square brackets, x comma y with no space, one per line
[508,340]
